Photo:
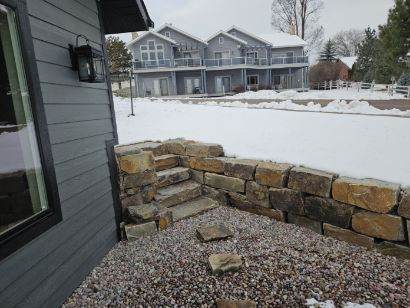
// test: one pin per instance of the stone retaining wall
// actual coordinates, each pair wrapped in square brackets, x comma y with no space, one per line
[370,213]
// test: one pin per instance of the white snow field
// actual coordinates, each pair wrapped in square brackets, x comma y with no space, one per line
[348,94]
[337,106]
[359,146]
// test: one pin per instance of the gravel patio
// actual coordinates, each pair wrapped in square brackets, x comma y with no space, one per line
[284,265]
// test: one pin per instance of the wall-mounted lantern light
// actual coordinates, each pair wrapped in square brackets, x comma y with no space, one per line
[88,61]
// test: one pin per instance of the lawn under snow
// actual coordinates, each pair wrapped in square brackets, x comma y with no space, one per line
[337,106]
[353,145]
[348,94]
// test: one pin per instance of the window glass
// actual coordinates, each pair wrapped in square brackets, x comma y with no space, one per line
[253,80]
[167,34]
[151,45]
[152,55]
[221,40]
[160,47]
[144,56]
[22,189]
[144,47]
[160,55]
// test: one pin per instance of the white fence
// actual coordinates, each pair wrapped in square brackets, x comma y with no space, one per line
[340,84]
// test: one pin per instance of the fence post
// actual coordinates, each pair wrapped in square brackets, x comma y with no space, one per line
[132,103]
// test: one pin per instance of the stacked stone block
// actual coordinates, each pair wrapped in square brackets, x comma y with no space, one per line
[369,213]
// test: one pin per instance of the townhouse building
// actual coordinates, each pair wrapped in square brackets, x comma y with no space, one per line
[170,61]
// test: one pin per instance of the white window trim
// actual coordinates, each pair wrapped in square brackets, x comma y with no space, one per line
[253,52]
[249,76]
[167,34]
[155,50]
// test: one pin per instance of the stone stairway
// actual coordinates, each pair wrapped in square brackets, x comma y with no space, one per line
[177,197]
[177,191]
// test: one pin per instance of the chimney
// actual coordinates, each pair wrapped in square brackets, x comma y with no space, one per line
[134,35]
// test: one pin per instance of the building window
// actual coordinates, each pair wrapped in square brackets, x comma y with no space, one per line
[25,207]
[221,40]
[252,54]
[151,45]
[152,51]
[167,34]
[252,80]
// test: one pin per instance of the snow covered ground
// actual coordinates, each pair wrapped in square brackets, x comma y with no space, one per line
[337,106]
[353,145]
[348,94]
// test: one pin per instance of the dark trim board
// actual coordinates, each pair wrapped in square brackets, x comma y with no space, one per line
[108,78]
[112,163]
[25,232]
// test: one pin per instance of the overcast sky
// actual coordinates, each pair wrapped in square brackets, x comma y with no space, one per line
[204,17]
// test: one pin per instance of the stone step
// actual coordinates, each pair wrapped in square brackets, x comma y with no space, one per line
[193,207]
[142,213]
[172,176]
[165,162]
[177,193]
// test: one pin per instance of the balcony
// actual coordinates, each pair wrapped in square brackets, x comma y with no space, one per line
[152,64]
[290,60]
[188,62]
[235,61]
[275,62]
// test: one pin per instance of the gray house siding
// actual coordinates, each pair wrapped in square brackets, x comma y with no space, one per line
[46,270]
[297,51]
[228,45]
[185,40]
[136,52]
[262,52]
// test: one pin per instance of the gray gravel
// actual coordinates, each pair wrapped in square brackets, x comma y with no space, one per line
[284,265]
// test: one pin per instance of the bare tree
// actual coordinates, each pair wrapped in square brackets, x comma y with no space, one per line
[347,42]
[300,15]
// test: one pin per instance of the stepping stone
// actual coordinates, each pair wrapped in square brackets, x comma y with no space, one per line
[213,233]
[228,303]
[224,262]
[178,193]
[172,176]
[134,232]
[193,207]
[167,161]
[143,213]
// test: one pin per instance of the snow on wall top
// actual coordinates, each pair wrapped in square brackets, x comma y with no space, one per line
[283,40]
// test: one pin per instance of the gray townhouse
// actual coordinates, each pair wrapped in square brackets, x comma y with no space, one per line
[170,61]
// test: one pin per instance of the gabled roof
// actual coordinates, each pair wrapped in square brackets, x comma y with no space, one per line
[282,40]
[144,34]
[349,61]
[227,35]
[168,25]
[248,34]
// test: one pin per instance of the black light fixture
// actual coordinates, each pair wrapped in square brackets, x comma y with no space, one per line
[88,61]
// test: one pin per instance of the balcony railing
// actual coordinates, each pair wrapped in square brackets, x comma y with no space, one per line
[187,62]
[196,62]
[289,60]
[152,64]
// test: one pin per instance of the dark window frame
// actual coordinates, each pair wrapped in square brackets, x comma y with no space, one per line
[23,233]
